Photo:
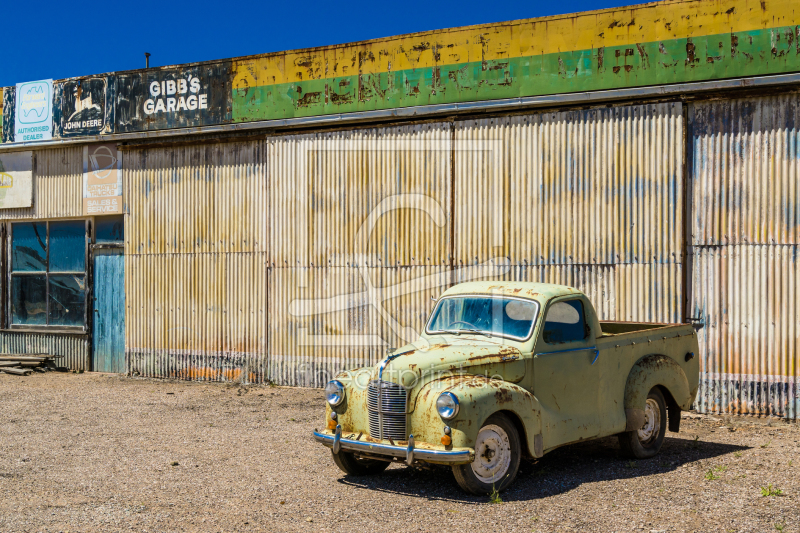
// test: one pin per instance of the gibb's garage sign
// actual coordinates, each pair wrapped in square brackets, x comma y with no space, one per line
[173,98]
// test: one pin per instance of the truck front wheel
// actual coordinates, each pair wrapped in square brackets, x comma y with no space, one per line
[647,440]
[497,456]
[356,466]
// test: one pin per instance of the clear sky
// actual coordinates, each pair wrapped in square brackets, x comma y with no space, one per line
[47,39]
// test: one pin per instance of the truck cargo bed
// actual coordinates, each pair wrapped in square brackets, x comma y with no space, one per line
[619,328]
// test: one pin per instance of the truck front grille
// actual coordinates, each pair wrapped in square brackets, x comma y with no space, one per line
[386,403]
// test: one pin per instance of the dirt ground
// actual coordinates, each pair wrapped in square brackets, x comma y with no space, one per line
[94,452]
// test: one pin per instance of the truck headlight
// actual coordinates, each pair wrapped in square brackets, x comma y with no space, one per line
[334,392]
[447,405]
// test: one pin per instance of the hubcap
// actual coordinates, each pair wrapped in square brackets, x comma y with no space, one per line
[652,422]
[492,454]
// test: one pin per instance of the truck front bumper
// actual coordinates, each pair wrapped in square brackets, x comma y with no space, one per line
[409,453]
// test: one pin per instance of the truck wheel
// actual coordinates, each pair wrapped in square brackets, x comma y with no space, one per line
[497,455]
[647,440]
[356,466]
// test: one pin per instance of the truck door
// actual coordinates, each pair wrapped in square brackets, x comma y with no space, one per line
[566,380]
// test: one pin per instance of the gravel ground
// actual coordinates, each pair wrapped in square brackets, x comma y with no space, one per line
[94,452]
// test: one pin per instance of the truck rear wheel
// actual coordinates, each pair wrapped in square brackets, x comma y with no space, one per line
[355,466]
[497,456]
[647,440]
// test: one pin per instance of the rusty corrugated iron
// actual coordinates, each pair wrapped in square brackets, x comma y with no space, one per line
[196,261]
[74,348]
[208,198]
[57,185]
[199,316]
[745,170]
[745,231]
[376,197]
[597,186]
[748,298]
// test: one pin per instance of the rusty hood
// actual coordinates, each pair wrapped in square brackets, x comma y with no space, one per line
[421,362]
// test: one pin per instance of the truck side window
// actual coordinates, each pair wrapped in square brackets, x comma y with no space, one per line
[565,323]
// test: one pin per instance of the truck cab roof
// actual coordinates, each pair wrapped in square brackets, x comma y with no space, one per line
[519,289]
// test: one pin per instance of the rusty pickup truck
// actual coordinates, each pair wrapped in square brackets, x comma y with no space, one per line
[506,370]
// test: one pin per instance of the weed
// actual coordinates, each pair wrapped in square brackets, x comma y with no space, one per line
[292,420]
[721,468]
[737,454]
[767,444]
[631,464]
[790,462]
[663,465]
[494,497]
[696,442]
[780,526]
[710,475]
[769,490]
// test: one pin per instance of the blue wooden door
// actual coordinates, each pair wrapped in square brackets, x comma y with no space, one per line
[108,334]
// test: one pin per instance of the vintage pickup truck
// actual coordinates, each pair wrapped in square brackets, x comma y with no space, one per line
[506,370]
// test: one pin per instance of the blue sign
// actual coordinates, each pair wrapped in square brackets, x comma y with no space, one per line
[33,120]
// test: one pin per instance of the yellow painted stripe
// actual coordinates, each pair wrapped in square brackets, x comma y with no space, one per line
[583,31]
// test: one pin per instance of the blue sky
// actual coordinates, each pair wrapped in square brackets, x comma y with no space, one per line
[49,39]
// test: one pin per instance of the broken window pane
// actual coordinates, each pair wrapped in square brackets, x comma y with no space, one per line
[67,302]
[68,246]
[29,247]
[28,305]
[565,322]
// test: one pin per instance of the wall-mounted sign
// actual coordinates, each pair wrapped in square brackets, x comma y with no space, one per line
[102,179]
[174,98]
[33,120]
[83,107]
[16,179]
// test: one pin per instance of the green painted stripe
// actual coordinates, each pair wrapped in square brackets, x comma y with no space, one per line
[743,54]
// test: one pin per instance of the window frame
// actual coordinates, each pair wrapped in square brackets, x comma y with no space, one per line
[9,274]
[587,329]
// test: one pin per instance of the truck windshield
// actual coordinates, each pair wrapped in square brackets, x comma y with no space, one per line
[485,315]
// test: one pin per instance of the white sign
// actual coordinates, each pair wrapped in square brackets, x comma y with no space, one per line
[102,179]
[171,96]
[16,180]
[33,119]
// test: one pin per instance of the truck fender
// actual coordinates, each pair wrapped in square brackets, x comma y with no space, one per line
[479,398]
[651,371]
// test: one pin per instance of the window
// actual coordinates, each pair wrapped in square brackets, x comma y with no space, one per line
[565,323]
[484,315]
[48,273]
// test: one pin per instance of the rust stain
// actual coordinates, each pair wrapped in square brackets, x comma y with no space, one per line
[503,396]
[691,57]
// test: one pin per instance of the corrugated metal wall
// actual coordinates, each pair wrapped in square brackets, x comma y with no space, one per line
[363,232]
[196,261]
[57,185]
[360,233]
[73,348]
[578,197]
[745,236]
